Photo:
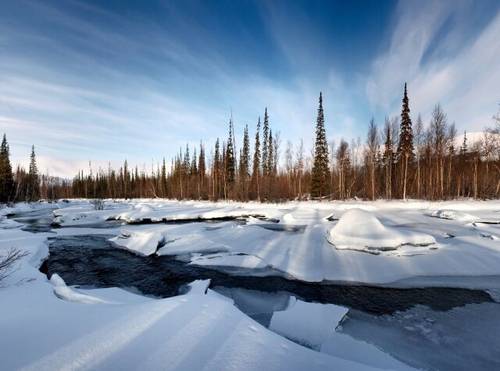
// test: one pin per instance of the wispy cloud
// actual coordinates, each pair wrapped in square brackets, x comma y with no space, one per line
[465,81]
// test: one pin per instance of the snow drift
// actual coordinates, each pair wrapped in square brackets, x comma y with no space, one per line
[140,242]
[360,230]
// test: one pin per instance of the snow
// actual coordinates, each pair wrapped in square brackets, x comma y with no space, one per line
[141,242]
[300,246]
[453,215]
[360,230]
[199,330]
[67,293]
[319,326]
[46,324]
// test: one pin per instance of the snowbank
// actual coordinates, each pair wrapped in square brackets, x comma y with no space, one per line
[360,230]
[66,293]
[141,242]
[453,215]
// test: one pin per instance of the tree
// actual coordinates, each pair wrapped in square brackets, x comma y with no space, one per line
[33,193]
[6,176]
[230,160]
[217,171]
[256,162]
[202,172]
[371,155]
[319,180]
[265,145]
[245,163]
[388,157]
[438,128]
[405,146]
[419,140]
[343,164]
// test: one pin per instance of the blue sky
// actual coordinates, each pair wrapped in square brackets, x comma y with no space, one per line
[102,81]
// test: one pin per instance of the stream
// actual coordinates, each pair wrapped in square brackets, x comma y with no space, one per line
[409,324]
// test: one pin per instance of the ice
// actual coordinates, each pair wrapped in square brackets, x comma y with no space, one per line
[361,230]
[308,323]
[463,338]
[144,242]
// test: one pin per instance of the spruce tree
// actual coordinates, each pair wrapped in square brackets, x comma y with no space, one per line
[256,162]
[33,192]
[6,176]
[265,145]
[202,166]
[245,157]
[320,170]
[230,160]
[405,146]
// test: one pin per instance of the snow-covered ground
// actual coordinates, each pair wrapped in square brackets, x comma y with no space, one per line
[46,324]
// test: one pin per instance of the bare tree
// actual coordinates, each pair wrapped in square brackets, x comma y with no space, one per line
[7,262]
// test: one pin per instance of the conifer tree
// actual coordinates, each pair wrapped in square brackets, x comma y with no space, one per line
[33,192]
[230,160]
[256,162]
[6,176]
[265,145]
[245,162]
[202,171]
[217,169]
[319,176]
[405,146]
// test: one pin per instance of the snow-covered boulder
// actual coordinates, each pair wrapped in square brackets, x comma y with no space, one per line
[141,242]
[361,230]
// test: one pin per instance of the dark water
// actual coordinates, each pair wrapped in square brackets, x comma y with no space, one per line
[42,221]
[91,260]
[35,221]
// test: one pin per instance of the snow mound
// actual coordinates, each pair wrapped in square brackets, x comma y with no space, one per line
[140,242]
[288,219]
[67,293]
[453,215]
[361,230]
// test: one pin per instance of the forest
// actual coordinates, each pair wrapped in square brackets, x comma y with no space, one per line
[400,159]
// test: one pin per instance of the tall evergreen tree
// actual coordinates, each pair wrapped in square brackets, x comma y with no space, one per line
[405,146]
[245,156]
[230,159]
[320,176]
[33,192]
[256,162]
[6,176]
[265,145]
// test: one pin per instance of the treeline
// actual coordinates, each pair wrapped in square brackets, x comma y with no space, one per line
[399,159]
[22,185]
